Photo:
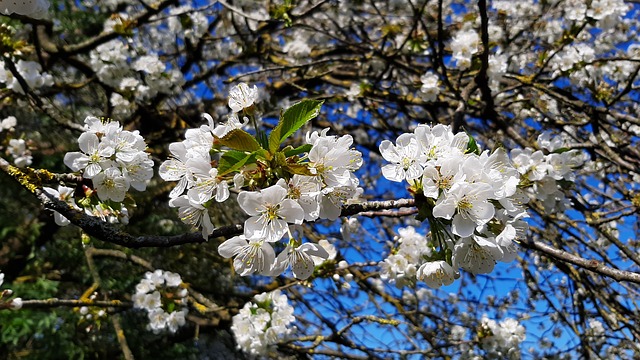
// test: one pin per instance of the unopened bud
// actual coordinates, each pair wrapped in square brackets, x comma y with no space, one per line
[86,239]
[16,304]
[87,191]
[182,293]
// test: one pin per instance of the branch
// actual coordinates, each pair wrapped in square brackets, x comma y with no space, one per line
[242,13]
[106,36]
[592,265]
[31,179]
[482,79]
[54,302]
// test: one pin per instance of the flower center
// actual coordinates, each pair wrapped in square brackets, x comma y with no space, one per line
[406,162]
[271,212]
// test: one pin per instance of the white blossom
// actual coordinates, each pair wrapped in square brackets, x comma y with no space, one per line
[406,158]
[300,258]
[270,212]
[193,214]
[65,194]
[241,96]
[251,255]
[436,274]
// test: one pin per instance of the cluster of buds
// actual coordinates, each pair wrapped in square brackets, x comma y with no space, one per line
[91,317]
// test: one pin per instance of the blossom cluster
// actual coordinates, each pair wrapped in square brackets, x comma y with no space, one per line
[262,322]
[191,165]
[501,340]
[547,171]
[114,213]
[464,45]
[401,266]
[470,199]
[303,198]
[162,296]
[17,148]
[278,189]
[30,71]
[133,76]
[114,159]
[429,89]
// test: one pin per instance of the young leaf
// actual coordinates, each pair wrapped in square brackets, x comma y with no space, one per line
[300,169]
[472,146]
[241,140]
[233,160]
[299,150]
[291,120]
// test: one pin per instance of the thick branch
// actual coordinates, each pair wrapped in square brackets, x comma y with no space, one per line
[107,232]
[482,80]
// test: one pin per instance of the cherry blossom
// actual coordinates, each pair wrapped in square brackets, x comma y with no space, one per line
[270,212]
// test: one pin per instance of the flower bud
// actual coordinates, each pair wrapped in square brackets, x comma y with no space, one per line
[16,304]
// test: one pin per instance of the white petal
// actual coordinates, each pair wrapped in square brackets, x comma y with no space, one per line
[314,249]
[413,172]
[76,161]
[222,192]
[291,212]
[273,195]
[207,225]
[92,170]
[251,202]
[393,172]
[254,228]
[462,226]
[389,152]
[445,208]
[88,142]
[483,211]
[276,230]
[303,266]
[231,247]
[268,258]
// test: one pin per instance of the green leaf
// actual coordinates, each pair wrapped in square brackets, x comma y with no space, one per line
[293,119]
[561,150]
[472,146]
[299,150]
[239,139]
[233,160]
